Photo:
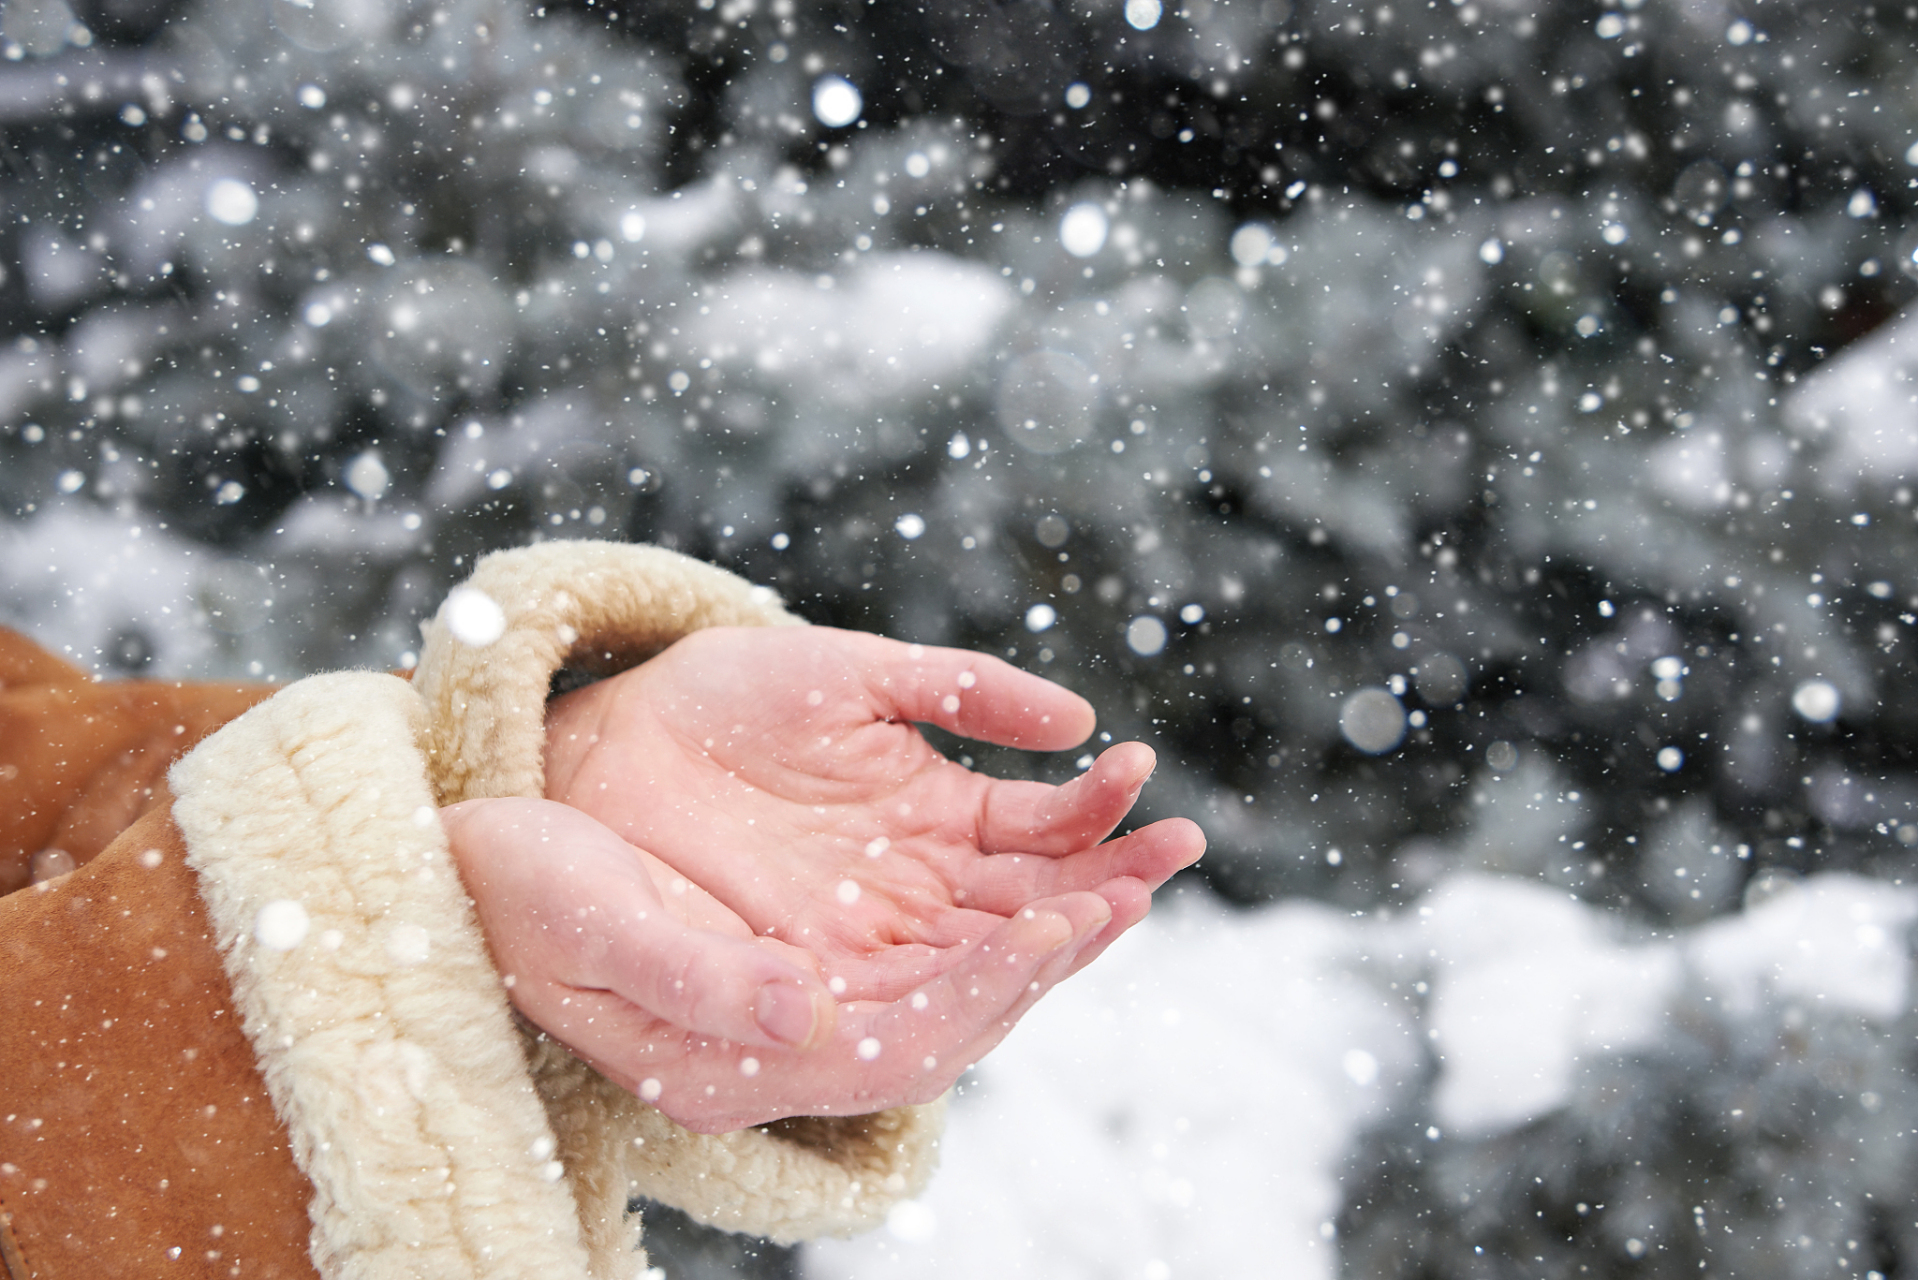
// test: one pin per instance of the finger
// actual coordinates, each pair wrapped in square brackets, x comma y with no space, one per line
[885,1055]
[891,972]
[716,985]
[1130,901]
[895,970]
[570,906]
[1005,882]
[918,1045]
[708,1084]
[975,696]
[1031,817]
[992,889]
[687,901]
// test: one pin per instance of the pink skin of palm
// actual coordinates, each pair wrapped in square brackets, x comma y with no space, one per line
[754,890]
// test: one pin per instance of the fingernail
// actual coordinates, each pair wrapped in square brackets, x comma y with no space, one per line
[1092,933]
[1051,930]
[785,1013]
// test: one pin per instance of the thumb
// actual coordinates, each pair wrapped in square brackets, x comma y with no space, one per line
[568,906]
[715,985]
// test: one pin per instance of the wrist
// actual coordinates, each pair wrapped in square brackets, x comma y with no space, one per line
[574,726]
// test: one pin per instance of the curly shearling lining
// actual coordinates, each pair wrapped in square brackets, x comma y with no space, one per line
[383,1033]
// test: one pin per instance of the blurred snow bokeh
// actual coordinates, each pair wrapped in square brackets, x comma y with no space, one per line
[93,590]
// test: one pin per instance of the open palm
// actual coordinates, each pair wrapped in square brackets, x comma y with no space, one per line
[779,770]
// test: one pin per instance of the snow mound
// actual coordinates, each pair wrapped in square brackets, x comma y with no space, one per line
[1186,1105]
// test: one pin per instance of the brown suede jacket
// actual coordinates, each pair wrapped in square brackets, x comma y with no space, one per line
[248,1023]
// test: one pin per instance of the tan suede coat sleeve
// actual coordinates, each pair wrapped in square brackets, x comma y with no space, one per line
[136,1136]
[80,759]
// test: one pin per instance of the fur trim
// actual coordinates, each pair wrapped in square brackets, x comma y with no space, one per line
[595,606]
[381,1027]
[605,607]
[789,1181]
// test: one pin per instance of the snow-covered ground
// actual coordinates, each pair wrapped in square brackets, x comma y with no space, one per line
[1179,1108]
[1184,1107]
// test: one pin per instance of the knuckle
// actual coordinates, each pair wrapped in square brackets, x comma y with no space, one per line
[677,984]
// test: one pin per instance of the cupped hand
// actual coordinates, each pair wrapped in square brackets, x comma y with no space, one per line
[779,769]
[670,994]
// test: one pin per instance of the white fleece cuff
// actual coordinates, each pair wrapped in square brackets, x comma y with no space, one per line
[364,983]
